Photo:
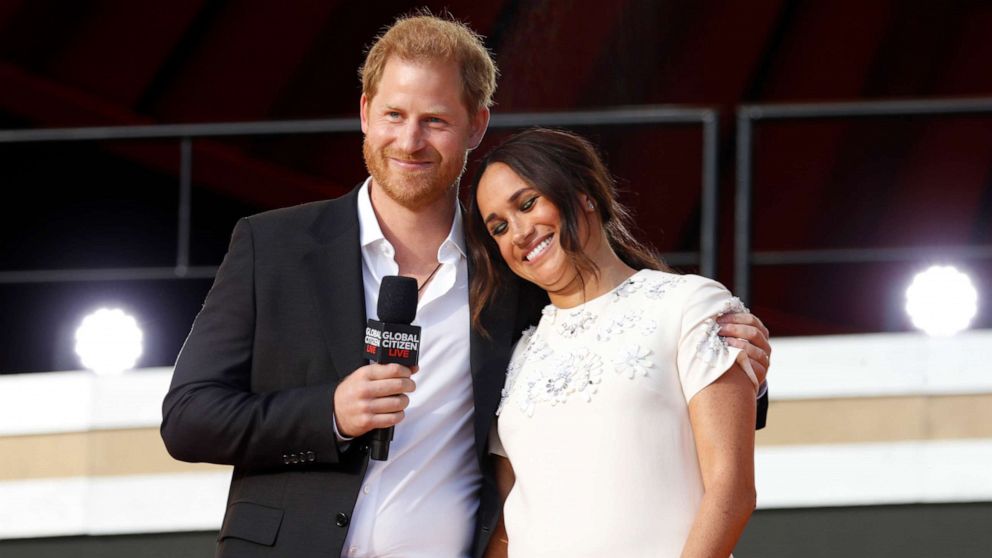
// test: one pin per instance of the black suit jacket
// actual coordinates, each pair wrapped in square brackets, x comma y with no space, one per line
[253,385]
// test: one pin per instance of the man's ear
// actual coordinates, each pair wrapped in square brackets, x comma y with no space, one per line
[479,124]
[363,110]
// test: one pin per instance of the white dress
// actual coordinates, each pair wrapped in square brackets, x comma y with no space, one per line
[594,419]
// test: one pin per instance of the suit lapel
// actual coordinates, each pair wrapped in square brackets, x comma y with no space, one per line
[489,358]
[334,271]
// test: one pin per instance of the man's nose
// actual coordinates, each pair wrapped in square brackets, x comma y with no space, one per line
[411,137]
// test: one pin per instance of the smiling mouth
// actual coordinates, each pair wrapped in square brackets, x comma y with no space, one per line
[539,249]
[406,163]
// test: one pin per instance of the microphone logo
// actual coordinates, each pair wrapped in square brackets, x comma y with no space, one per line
[392,342]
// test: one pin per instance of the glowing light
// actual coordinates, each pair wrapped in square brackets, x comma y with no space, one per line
[108,341]
[941,301]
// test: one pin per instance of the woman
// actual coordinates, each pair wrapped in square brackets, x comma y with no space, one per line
[626,424]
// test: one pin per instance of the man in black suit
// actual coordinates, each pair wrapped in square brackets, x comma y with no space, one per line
[272,378]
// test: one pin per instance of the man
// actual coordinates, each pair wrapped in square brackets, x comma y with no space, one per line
[272,378]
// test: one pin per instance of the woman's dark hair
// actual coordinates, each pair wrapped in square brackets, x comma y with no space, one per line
[561,166]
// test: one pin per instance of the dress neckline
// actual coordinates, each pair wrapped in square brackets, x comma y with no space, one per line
[552,308]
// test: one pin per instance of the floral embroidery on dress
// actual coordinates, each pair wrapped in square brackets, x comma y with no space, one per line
[528,338]
[617,326]
[712,346]
[576,374]
[525,334]
[575,323]
[633,360]
[539,349]
[628,287]
[657,289]
[565,357]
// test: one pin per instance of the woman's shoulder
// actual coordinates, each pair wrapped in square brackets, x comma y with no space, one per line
[685,290]
[686,281]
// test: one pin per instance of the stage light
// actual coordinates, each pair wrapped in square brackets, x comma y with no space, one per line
[941,301]
[108,341]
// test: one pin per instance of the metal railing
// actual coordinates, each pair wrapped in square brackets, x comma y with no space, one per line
[186,133]
[749,115]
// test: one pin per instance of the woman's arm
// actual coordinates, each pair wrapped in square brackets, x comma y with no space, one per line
[722,417]
[498,542]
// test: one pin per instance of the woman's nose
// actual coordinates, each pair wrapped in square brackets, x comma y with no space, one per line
[522,233]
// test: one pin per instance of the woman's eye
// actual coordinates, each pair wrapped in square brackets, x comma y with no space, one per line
[529,203]
[498,229]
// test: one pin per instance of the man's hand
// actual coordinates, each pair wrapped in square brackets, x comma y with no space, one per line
[371,397]
[745,331]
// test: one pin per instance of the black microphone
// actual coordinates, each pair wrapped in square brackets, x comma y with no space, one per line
[391,339]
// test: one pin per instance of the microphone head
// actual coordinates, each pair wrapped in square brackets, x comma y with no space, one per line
[397,299]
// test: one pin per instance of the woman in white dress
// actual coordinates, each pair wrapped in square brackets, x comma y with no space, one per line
[626,426]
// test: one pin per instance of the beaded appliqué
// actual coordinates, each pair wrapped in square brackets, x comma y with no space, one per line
[618,326]
[531,344]
[712,346]
[574,323]
[633,360]
[658,289]
[577,374]
[630,286]
[555,378]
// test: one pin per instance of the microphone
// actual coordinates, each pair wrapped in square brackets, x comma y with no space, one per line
[391,339]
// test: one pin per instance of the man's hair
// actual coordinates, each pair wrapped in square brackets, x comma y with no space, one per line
[423,37]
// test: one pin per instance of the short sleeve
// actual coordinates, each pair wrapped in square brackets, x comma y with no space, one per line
[703,356]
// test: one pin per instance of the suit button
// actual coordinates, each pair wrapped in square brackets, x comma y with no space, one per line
[293,458]
[311,456]
[285,459]
[341,520]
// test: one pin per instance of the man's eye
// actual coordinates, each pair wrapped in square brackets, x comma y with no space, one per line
[498,229]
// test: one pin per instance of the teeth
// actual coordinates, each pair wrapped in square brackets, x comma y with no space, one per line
[538,249]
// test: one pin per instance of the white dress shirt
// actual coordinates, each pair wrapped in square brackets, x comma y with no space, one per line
[423,500]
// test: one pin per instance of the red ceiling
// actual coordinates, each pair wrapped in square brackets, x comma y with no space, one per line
[890,182]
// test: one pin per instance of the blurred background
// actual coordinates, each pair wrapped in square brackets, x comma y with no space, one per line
[812,155]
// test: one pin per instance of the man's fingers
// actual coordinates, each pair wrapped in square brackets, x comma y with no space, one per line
[391,404]
[760,359]
[748,333]
[383,371]
[373,396]
[386,420]
[743,318]
[760,372]
[389,386]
